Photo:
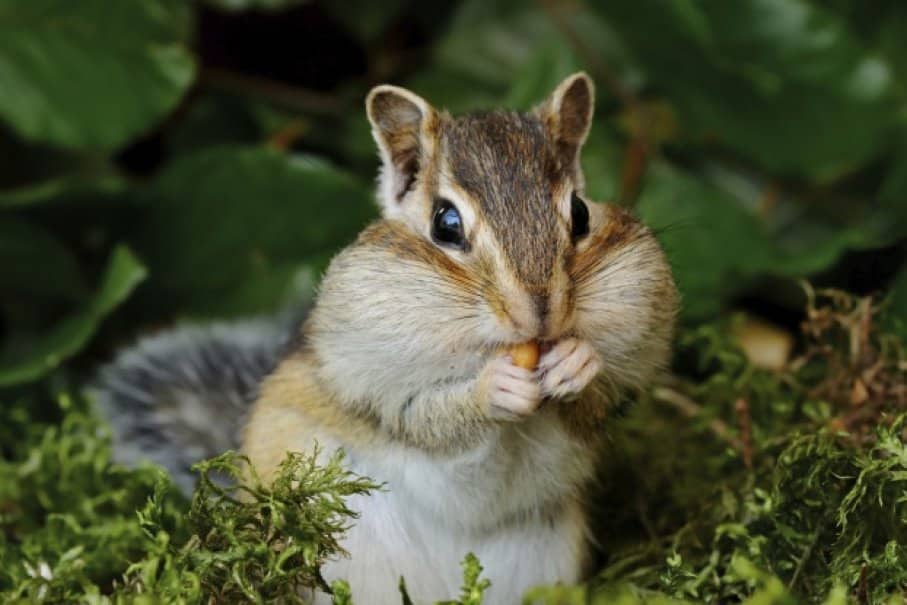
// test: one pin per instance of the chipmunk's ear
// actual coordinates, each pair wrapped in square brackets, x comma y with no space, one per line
[402,124]
[567,113]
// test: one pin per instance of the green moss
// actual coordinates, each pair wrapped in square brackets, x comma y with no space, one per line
[815,497]
[733,484]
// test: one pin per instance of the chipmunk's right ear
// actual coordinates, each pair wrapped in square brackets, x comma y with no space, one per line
[401,124]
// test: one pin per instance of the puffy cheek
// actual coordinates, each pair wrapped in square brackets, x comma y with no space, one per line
[625,306]
[613,317]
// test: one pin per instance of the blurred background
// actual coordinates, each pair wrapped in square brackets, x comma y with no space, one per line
[165,159]
[168,160]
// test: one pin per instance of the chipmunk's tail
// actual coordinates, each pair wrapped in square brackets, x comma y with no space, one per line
[181,396]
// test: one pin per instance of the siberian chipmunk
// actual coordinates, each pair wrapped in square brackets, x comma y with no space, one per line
[485,241]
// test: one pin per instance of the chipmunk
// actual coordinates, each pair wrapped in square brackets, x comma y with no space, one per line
[485,240]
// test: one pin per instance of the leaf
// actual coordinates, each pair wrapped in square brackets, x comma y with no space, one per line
[512,53]
[34,264]
[711,241]
[881,28]
[91,74]
[219,220]
[779,81]
[540,74]
[71,184]
[242,5]
[719,247]
[214,119]
[365,18]
[73,332]
[486,41]
[602,161]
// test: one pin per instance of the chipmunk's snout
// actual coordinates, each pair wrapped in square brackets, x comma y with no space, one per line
[537,313]
[542,303]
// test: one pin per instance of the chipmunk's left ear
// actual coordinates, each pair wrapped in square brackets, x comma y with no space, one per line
[567,113]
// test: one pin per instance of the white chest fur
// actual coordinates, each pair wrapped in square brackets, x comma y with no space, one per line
[513,502]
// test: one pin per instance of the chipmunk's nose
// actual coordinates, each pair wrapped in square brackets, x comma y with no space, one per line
[525,311]
[543,313]
[541,302]
[554,312]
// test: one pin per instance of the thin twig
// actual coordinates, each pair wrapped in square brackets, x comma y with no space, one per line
[284,95]
[742,408]
[691,409]
[639,147]
[603,71]
[285,137]
[863,586]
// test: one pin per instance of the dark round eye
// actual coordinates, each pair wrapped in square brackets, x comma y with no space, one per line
[447,226]
[579,218]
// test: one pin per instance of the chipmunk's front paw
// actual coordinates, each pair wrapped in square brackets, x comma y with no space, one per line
[568,367]
[512,392]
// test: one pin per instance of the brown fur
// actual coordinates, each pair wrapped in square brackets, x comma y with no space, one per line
[291,404]
[389,236]
[506,162]
[621,228]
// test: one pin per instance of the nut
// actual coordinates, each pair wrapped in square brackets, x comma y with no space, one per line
[525,354]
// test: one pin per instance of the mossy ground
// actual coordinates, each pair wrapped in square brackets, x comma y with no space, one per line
[727,484]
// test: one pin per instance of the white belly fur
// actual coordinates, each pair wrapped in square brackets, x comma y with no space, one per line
[432,512]
[429,556]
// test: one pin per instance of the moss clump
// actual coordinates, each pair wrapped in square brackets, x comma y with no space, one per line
[743,475]
[248,542]
[77,528]
[68,523]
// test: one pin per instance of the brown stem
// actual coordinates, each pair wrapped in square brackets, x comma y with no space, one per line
[280,94]
[634,168]
[284,138]
[691,409]
[742,407]
[863,586]
[640,145]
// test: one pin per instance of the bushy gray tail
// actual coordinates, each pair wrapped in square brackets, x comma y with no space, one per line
[182,396]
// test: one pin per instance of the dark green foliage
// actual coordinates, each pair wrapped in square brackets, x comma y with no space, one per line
[165,159]
[41,353]
[58,56]
[820,505]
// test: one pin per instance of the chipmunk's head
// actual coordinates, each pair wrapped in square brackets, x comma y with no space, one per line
[493,202]
[498,193]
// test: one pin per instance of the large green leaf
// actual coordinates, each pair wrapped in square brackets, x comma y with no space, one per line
[242,5]
[33,263]
[224,218]
[780,81]
[92,73]
[513,53]
[881,26]
[52,189]
[68,336]
[712,242]
[719,246]
[366,19]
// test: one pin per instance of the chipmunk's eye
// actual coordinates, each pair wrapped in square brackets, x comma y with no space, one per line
[579,218]
[447,226]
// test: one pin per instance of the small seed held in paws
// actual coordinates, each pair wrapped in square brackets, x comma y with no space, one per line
[525,354]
